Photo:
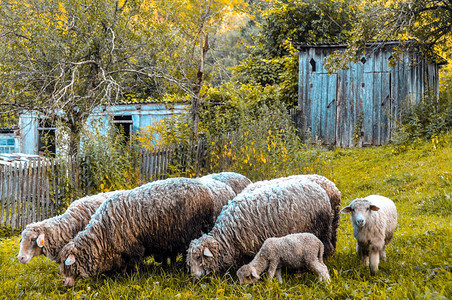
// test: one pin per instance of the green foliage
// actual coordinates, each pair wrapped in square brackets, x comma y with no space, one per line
[306,22]
[110,162]
[424,121]
[417,180]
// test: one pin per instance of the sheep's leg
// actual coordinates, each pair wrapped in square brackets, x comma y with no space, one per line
[383,253]
[374,259]
[363,253]
[273,265]
[320,269]
[278,274]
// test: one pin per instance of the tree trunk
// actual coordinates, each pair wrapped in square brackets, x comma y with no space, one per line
[197,86]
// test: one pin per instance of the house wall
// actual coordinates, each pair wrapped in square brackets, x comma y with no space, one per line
[142,115]
[359,106]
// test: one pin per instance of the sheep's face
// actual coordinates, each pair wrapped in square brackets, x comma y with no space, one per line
[200,256]
[69,266]
[360,211]
[31,245]
[247,274]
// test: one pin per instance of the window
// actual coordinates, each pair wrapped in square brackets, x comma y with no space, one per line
[124,125]
[313,65]
[46,134]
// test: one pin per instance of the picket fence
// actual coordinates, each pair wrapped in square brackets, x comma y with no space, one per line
[33,191]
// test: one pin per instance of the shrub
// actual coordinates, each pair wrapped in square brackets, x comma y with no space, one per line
[423,121]
[244,129]
[109,161]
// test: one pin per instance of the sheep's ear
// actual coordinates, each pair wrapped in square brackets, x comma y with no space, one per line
[346,210]
[40,240]
[374,208]
[207,252]
[254,273]
[70,260]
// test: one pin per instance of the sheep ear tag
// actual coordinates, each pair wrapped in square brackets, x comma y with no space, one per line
[70,260]
[40,240]
[207,252]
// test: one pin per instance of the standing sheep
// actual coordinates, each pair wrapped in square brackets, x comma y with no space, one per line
[295,250]
[49,236]
[159,218]
[272,210]
[332,191]
[235,180]
[374,220]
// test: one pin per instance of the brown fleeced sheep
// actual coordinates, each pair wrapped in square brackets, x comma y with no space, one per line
[297,251]
[159,218]
[271,210]
[49,236]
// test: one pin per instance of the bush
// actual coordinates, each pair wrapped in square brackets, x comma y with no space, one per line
[109,160]
[423,121]
[244,129]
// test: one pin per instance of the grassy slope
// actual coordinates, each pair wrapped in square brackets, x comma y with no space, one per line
[418,180]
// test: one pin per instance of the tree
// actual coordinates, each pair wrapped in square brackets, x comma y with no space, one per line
[283,24]
[66,57]
[423,24]
[63,58]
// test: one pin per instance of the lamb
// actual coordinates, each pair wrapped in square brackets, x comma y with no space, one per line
[49,236]
[297,250]
[333,193]
[235,180]
[272,210]
[374,220]
[159,218]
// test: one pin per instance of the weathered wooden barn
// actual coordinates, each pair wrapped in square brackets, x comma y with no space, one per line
[359,106]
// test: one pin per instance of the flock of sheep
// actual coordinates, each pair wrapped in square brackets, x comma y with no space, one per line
[216,222]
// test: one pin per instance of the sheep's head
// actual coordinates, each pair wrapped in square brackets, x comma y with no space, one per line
[361,211]
[31,244]
[247,274]
[70,266]
[202,256]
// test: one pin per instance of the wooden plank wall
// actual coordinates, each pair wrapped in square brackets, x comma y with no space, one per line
[366,99]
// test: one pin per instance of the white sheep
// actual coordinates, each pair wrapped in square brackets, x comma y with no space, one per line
[49,236]
[274,209]
[296,251]
[374,220]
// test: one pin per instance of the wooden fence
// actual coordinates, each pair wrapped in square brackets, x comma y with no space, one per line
[26,193]
[34,191]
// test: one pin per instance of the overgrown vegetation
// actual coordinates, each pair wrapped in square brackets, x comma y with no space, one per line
[427,120]
[418,180]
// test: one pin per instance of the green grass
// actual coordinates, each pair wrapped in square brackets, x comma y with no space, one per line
[418,179]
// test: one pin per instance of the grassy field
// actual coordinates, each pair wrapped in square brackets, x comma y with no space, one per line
[418,179]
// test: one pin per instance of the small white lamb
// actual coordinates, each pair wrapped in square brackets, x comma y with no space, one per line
[374,220]
[296,251]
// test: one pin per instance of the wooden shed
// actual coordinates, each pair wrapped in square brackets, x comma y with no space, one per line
[360,106]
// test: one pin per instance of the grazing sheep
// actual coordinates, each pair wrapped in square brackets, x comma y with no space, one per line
[235,180]
[333,193]
[297,250]
[49,236]
[222,193]
[272,210]
[159,218]
[374,220]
